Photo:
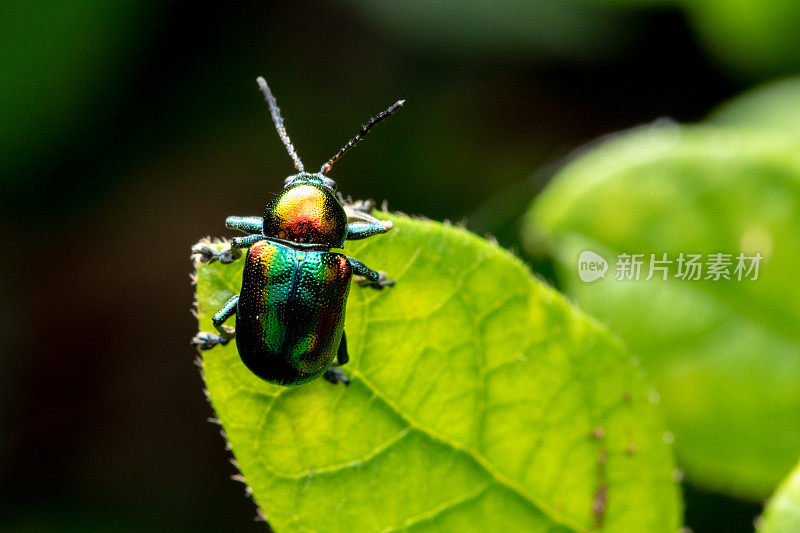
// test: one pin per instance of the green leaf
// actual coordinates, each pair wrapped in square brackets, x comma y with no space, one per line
[724,355]
[773,106]
[479,399]
[752,38]
[783,510]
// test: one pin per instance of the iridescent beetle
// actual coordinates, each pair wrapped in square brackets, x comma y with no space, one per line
[290,311]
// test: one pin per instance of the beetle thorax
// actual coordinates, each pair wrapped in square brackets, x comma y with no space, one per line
[306,214]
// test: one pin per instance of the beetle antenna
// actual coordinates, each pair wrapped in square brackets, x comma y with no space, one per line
[364,129]
[278,120]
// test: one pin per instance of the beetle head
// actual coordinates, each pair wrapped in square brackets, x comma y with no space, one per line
[310,179]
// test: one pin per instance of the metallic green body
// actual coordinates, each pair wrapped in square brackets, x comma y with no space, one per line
[290,315]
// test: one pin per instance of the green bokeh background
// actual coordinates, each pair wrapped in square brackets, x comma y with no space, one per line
[130,129]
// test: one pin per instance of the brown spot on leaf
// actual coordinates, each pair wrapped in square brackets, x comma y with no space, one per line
[599,504]
[601,460]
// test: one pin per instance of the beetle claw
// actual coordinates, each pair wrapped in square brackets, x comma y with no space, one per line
[206,254]
[206,341]
[382,282]
[334,375]
[364,206]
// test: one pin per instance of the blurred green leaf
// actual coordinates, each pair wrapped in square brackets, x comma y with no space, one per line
[774,106]
[510,29]
[60,69]
[782,514]
[479,399]
[724,355]
[639,3]
[752,37]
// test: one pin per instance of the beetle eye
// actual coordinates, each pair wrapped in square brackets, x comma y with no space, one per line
[329,183]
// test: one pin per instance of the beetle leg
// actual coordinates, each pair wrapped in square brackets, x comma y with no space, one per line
[362,230]
[373,278]
[207,254]
[342,357]
[246,242]
[205,340]
[334,374]
[249,225]
[227,311]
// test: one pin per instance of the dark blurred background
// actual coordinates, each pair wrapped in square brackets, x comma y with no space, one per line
[130,129]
